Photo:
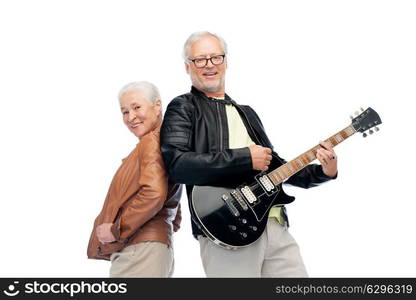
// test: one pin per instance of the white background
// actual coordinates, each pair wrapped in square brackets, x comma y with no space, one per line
[304,66]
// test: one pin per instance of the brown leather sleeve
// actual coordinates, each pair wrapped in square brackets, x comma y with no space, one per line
[151,194]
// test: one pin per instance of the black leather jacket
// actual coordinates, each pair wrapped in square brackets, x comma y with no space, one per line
[194,145]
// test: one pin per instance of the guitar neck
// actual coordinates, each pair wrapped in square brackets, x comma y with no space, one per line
[280,174]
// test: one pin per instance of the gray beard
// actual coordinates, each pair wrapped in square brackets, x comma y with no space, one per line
[212,89]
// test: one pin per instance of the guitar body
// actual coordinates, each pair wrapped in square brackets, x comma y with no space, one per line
[229,222]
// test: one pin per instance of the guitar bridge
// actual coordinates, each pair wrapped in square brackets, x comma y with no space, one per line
[239,199]
[230,205]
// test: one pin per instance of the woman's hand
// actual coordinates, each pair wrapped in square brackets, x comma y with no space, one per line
[104,233]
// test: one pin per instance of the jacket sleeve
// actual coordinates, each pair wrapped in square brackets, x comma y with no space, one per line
[310,176]
[186,166]
[149,199]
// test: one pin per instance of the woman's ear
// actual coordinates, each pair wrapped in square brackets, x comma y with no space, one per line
[158,107]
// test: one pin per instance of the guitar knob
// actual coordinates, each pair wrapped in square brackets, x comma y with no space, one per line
[364,134]
[232,227]
[243,235]
[253,228]
[243,221]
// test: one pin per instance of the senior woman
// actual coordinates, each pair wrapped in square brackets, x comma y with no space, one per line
[141,211]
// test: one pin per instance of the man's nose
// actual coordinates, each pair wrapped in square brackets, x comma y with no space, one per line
[209,64]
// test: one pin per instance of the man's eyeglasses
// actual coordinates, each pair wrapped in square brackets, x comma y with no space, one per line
[202,62]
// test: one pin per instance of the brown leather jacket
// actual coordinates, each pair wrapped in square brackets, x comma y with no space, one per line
[140,202]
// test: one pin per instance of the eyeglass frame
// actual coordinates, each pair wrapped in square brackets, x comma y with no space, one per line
[206,60]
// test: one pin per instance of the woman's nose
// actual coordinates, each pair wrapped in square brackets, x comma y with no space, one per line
[132,115]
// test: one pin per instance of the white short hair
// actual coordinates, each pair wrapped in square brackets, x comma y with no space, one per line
[198,35]
[152,92]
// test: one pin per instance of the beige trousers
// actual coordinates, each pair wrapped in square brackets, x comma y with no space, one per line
[146,259]
[274,254]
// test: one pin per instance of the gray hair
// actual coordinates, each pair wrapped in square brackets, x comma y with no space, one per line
[152,93]
[198,35]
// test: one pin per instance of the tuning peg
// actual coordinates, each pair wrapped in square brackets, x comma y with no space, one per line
[364,134]
[362,109]
[376,128]
[351,117]
[370,131]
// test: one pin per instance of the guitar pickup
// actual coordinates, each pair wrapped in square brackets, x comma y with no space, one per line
[230,205]
[267,185]
[248,194]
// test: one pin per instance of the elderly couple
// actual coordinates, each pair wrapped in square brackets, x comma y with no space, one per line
[205,138]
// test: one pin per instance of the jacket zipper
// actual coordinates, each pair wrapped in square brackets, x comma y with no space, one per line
[220,125]
[255,135]
[251,128]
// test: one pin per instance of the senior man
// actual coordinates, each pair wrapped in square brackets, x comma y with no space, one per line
[207,139]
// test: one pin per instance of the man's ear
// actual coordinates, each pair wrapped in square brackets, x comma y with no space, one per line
[187,67]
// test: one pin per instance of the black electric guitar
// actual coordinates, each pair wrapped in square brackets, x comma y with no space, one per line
[235,217]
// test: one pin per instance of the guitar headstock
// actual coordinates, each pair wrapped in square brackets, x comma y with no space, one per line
[366,120]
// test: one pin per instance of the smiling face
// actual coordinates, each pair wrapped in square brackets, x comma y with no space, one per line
[211,78]
[139,115]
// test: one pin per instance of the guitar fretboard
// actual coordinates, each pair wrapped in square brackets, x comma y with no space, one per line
[285,171]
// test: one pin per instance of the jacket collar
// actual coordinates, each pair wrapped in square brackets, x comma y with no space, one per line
[155,131]
[200,94]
